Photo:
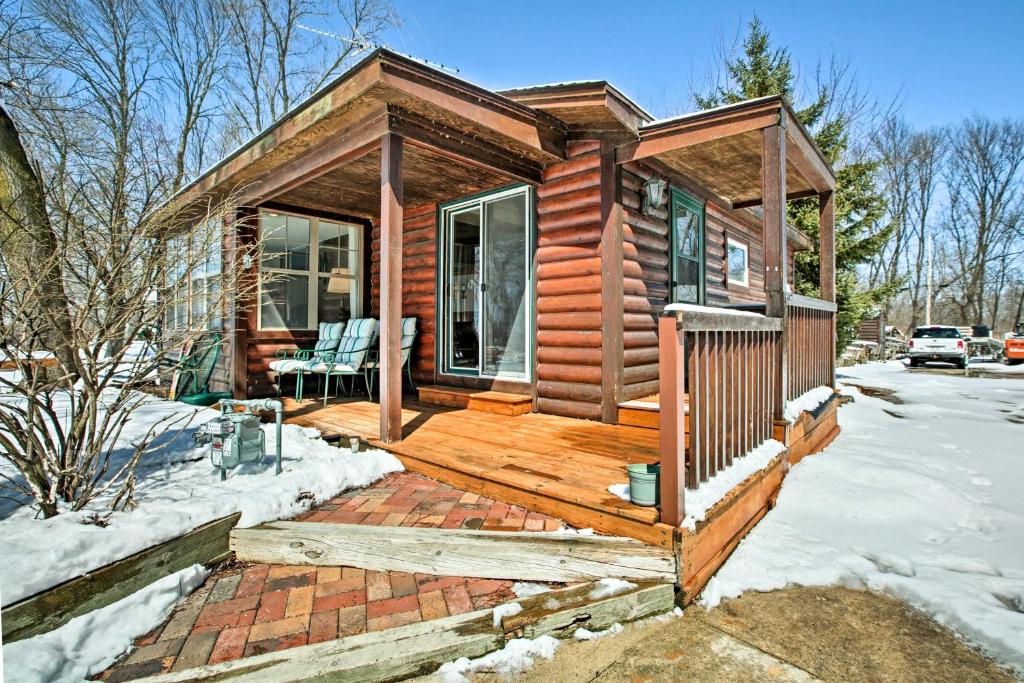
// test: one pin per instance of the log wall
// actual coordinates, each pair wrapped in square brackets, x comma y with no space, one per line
[568,263]
[419,283]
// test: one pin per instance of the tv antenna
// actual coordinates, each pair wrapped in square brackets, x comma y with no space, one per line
[362,44]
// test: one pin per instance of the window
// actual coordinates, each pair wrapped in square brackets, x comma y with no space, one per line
[316,268]
[196,300]
[736,264]
[687,249]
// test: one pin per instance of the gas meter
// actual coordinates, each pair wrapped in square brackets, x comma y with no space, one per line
[235,438]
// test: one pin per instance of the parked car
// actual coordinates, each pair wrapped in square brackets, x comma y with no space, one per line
[937,342]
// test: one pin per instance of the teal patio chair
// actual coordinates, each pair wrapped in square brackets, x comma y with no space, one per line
[350,356]
[296,361]
[372,365]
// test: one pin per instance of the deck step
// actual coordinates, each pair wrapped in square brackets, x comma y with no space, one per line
[497,402]
[639,414]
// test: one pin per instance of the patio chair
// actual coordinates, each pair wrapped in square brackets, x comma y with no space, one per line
[296,361]
[350,356]
[373,361]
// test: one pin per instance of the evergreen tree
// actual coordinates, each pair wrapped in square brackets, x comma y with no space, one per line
[762,69]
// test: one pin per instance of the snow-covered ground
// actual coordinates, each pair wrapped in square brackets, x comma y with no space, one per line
[178,489]
[923,500]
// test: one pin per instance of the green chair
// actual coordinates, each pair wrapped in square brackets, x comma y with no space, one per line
[195,369]
[349,358]
[296,361]
[372,365]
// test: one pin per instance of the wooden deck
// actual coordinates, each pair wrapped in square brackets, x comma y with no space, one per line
[553,465]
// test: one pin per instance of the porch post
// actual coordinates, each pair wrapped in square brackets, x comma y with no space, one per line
[773,191]
[827,272]
[612,301]
[827,246]
[672,435]
[391,207]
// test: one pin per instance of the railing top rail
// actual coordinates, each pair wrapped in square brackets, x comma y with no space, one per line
[801,301]
[692,318]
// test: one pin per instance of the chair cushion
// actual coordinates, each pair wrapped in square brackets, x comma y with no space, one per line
[328,337]
[287,365]
[336,368]
[358,338]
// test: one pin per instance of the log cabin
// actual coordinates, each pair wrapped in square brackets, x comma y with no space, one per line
[592,287]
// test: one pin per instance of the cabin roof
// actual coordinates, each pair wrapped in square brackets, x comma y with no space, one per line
[591,104]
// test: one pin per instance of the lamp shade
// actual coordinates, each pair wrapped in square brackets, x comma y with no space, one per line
[654,191]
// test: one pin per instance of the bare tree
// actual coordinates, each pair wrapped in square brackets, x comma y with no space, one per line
[983,224]
[282,56]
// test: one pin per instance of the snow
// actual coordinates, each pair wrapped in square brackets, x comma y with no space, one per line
[88,644]
[698,502]
[517,656]
[997,368]
[807,401]
[694,308]
[524,589]
[178,489]
[606,588]
[506,609]
[620,490]
[587,634]
[921,500]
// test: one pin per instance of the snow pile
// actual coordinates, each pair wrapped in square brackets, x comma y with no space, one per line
[524,589]
[517,656]
[620,490]
[807,401]
[694,308]
[90,643]
[506,609]
[587,634]
[698,502]
[178,489]
[606,588]
[921,500]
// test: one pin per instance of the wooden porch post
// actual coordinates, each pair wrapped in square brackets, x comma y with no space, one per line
[391,208]
[827,248]
[773,191]
[672,444]
[612,301]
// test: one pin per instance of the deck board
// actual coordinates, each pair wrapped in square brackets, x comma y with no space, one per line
[549,463]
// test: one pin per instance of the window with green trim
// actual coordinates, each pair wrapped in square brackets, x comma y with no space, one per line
[687,263]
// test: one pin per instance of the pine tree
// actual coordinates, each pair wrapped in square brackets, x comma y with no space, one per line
[762,69]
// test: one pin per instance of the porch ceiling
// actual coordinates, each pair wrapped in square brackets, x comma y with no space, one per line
[354,187]
[721,150]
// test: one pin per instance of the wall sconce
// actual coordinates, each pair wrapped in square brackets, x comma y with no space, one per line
[654,194]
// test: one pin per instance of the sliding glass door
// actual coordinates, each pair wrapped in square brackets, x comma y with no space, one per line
[486,285]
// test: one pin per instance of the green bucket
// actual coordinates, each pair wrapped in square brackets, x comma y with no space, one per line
[643,484]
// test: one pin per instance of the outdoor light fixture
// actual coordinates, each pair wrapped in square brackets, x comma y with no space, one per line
[654,193]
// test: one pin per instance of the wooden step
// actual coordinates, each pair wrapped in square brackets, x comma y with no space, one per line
[497,402]
[639,414]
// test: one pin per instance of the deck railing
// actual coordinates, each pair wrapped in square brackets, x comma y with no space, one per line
[723,367]
[810,344]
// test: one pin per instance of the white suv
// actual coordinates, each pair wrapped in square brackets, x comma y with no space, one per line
[937,342]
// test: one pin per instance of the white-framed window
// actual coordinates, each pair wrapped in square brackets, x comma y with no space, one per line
[196,298]
[737,264]
[317,271]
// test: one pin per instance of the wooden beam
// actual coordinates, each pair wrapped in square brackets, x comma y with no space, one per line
[391,210]
[418,649]
[773,189]
[463,148]
[672,384]
[522,556]
[694,131]
[347,145]
[56,606]
[758,201]
[827,246]
[612,300]
[806,157]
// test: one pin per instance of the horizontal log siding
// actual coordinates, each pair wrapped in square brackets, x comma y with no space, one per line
[645,284]
[719,227]
[419,283]
[568,261]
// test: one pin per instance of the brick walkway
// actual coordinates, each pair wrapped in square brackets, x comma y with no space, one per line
[244,610]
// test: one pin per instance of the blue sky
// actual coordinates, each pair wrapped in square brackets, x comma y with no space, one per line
[942,59]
